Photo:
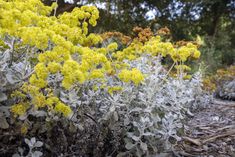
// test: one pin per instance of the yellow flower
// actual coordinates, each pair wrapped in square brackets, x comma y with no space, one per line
[114,89]
[183,67]
[24,128]
[41,71]
[133,75]
[52,101]
[196,54]
[97,73]
[53,67]
[187,77]
[112,46]
[39,101]
[137,76]
[62,108]
[19,109]
[37,81]
[18,94]
[72,74]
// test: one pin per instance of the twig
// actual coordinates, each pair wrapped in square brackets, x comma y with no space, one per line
[26,59]
[194,141]
[186,154]
[89,116]
[226,127]
[219,136]
[12,50]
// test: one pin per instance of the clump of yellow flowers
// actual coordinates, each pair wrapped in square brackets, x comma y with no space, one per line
[66,48]
[157,47]
[30,23]
[19,109]
[133,75]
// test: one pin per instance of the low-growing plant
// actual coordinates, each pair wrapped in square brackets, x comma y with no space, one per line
[32,144]
[221,83]
[98,100]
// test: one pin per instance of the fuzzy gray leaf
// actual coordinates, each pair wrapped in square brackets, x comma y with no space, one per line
[38,144]
[3,122]
[143,146]
[129,146]
[37,154]
[3,96]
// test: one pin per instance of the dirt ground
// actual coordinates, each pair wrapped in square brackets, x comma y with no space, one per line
[210,132]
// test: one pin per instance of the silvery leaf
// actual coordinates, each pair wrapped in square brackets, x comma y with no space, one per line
[20,150]
[112,108]
[143,146]
[33,140]
[37,154]
[135,138]
[28,142]
[137,109]
[5,110]
[11,78]
[3,122]
[148,134]
[3,80]
[16,155]
[38,113]
[129,145]
[126,121]
[38,144]
[3,96]
[115,115]
[23,117]
[5,56]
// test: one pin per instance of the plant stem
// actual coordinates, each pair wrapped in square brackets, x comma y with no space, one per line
[56,8]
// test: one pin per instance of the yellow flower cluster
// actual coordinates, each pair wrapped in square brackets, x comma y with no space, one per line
[58,38]
[113,89]
[97,73]
[41,71]
[37,82]
[133,75]
[184,52]
[53,67]
[49,102]
[112,46]
[180,54]
[39,101]
[133,51]
[62,108]
[19,109]
[157,47]
[68,49]
[183,67]
[221,75]
[209,84]
[71,73]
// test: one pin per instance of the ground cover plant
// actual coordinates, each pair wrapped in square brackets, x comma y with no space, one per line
[68,92]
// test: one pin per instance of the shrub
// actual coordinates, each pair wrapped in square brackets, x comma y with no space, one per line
[56,77]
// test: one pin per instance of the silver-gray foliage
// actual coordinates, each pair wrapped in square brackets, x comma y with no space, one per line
[147,118]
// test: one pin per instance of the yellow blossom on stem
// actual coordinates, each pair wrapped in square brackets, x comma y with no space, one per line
[62,108]
[133,75]
[113,89]
[19,109]
[53,67]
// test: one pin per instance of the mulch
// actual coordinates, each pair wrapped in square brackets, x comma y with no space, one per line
[210,133]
